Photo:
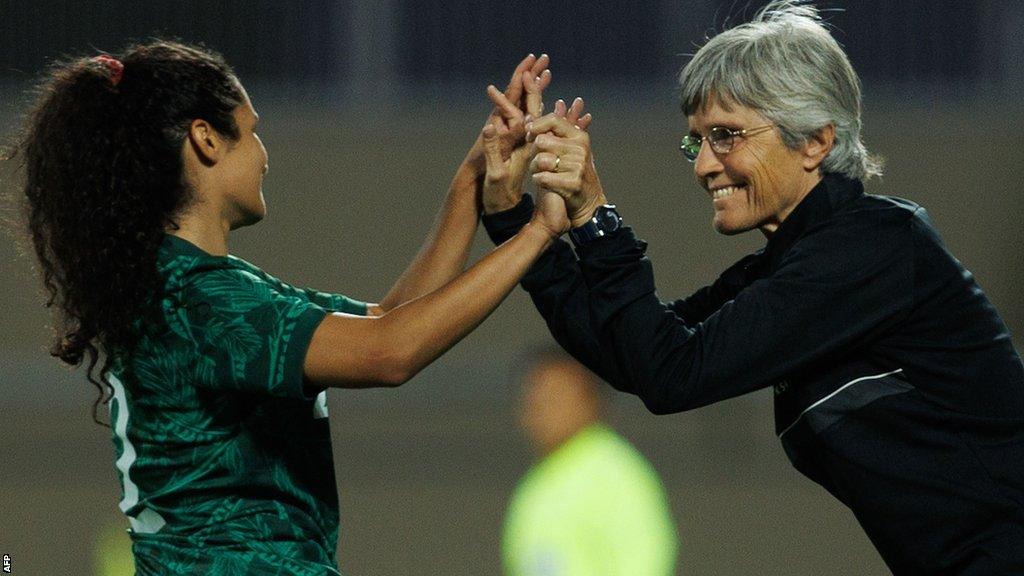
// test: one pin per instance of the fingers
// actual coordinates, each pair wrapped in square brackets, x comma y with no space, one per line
[514,90]
[502,102]
[539,66]
[547,162]
[492,153]
[534,86]
[561,183]
[560,127]
[544,79]
[573,115]
[560,108]
[561,147]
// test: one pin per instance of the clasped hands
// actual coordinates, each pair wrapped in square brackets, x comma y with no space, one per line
[518,138]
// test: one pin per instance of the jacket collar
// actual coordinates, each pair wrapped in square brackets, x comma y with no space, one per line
[820,203]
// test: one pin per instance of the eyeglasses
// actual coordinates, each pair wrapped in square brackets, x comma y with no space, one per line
[721,139]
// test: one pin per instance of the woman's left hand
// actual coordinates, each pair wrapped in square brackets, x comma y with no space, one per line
[503,181]
[522,95]
[509,120]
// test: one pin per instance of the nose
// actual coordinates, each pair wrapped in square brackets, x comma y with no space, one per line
[707,163]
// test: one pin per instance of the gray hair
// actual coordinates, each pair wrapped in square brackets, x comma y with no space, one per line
[785,65]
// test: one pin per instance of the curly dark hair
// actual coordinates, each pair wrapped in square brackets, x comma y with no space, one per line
[102,154]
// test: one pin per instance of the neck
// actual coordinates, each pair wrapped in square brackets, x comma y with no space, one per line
[812,180]
[205,230]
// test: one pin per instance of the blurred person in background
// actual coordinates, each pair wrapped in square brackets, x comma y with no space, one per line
[112,552]
[896,384]
[591,505]
[136,168]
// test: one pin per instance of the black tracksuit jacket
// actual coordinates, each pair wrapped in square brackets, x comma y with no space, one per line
[897,387]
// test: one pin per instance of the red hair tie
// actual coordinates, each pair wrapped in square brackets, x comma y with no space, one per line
[114,65]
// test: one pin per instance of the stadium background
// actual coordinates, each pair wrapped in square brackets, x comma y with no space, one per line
[367,107]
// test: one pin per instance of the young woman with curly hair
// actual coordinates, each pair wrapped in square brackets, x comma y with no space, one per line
[136,169]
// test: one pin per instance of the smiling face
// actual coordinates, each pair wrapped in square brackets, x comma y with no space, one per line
[759,182]
[243,169]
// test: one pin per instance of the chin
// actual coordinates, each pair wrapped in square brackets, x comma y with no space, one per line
[729,228]
[248,219]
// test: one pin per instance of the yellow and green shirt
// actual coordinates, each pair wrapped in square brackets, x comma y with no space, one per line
[593,507]
[223,452]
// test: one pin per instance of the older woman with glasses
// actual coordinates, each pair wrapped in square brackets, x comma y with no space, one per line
[897,387]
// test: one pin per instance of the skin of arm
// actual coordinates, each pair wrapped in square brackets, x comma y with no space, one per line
[446,248]
[387,350]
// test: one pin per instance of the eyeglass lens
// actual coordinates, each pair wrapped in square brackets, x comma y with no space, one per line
[690,147]
[721,140]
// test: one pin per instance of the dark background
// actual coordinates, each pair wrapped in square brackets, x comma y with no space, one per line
[367,108]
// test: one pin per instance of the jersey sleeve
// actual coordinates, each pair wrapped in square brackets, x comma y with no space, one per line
[248,335]
[335,302]
[328,301]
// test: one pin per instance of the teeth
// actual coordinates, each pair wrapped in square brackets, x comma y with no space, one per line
[724,192]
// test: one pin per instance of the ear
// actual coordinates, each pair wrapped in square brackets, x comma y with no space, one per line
[206,142]
[817,146]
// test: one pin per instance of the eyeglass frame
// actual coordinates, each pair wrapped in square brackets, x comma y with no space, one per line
[719,148]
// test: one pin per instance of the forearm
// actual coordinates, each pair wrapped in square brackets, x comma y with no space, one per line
[673,365]
[652,350]
[558,291]
[424,328]
[446,248]
[698,306]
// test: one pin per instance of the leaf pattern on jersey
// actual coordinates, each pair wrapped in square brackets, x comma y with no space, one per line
[228,451]
[237,339]
[165,378]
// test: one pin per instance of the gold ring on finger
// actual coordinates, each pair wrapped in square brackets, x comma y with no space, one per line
[558,160]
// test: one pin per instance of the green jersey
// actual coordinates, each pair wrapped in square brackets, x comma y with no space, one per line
[593,507]
[223,452]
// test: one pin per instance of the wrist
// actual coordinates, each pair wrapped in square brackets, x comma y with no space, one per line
[540,232]
[500,202]
[586,212]
[474,163]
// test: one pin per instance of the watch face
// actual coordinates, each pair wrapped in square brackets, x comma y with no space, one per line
[608,219]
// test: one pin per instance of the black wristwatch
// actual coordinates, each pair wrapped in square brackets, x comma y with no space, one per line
[604,221]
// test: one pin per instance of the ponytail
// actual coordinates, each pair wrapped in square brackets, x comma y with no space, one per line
[101,152]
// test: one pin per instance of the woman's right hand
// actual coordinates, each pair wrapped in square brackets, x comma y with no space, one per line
[505,173]
[564,164]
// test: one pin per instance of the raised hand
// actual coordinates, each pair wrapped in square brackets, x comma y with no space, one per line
[513,108]
[502,197]
[499,187]
[550,212]
[551,209]
[563,163]
[574,114]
